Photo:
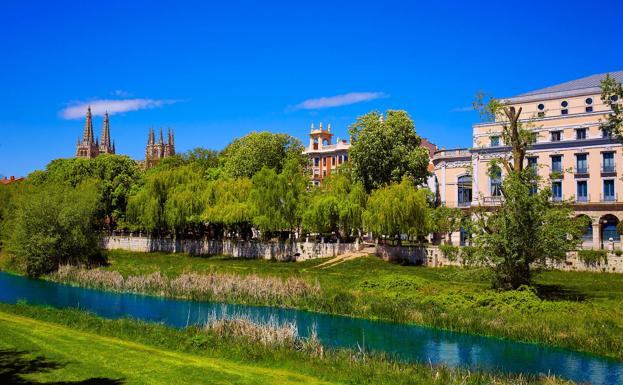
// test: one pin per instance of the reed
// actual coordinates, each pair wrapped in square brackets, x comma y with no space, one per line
[211,286]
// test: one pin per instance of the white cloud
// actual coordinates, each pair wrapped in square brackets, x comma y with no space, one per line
[339,100]
[113,106]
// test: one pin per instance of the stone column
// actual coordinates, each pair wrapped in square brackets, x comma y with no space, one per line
[596,235]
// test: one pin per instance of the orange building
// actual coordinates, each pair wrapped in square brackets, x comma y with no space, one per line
[9,180]
[324,155]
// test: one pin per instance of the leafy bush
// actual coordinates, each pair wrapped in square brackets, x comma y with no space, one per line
[450,252]
[593,257]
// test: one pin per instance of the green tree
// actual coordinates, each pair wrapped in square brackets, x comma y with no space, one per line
[117,174]
[278,199]
[396,209]
[446,220]
[246,156]
[53,224]
[612,96]
[527,229]
[337,205]
[227,206]
[386,149]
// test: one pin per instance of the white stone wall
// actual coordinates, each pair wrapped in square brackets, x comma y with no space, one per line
[432,256]
[298,251]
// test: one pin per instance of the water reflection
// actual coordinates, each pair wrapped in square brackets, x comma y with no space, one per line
[406,342]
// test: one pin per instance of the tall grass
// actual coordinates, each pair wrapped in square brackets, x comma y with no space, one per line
[211,286]
[263,349]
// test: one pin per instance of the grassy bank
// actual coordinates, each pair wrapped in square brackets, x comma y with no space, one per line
[581,311]
[42,345]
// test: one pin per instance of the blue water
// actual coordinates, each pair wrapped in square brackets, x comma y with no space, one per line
[406,342]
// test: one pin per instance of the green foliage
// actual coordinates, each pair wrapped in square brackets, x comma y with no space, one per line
[227,204]
[336,206]
[278,199]
[246,156]
[527,229]
[614,121]
[399,208]
[450,252]
[386,150]
[117,175]
[169,200]
[53,224]
[593,257]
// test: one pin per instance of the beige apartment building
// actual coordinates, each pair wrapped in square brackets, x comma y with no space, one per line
[580,161]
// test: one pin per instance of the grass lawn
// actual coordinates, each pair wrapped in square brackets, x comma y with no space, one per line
[577,310]
[45,345]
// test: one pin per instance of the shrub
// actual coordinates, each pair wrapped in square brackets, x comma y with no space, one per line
[593,257]
[450,252]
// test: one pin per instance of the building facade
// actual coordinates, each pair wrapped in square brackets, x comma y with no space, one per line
[155,151]
[90,147]
[573,154]
[325,156]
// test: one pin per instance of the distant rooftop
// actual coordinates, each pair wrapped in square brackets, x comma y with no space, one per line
[589,84]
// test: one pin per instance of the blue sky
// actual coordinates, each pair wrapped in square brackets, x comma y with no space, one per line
[215,71]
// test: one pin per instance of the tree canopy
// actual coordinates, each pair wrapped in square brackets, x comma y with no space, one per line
[386,149]
[246,156]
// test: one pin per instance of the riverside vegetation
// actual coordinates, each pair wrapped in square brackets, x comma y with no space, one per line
[576,310]
[46,344]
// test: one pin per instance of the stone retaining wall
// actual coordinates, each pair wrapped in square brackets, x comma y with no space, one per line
[432,256]
[241,249]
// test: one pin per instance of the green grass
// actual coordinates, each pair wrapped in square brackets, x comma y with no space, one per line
[576,310]
[45,345]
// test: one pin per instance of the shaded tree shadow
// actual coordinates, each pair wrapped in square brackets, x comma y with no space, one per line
[559,293]
[14,364]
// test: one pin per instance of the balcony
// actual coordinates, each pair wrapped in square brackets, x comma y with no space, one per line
[608,169]
[556,198]
[608,198]
[456,153]
[583,199]
[493,200]
[465,204]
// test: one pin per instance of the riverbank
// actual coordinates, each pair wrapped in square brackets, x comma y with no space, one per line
[70,346]
[579,311]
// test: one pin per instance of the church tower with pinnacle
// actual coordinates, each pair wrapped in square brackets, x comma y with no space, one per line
[89,147]
[160,149]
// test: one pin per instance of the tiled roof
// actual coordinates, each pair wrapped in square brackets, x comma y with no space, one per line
[589,83]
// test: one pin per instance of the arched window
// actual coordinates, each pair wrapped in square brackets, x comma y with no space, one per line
[609,228]
[588,232]
[464,188]
[495,181]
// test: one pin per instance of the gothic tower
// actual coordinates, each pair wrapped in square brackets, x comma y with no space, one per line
[105,146]
[87,148]
[158,150]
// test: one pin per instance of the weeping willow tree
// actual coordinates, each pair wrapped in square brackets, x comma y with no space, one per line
[169,201]
[399,208]
[227,207]
[337,206]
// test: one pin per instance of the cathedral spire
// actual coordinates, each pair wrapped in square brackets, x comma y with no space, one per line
[160,141]
[87,134]
[106,132]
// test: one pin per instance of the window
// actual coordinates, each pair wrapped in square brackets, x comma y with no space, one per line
[588,233]
[582,191]
[464,187]
[580,133]
[324,162]
[608,162]
[589,104]
[324,173]
[541,112]
[581,163]
[496,182]
[614,98]
[533,162]
[556,136]
[609,190]
[316,161]
[557,163]
[564,110]
[345,158]
[606,132]
[557,191]
[495,141]
[333,161]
